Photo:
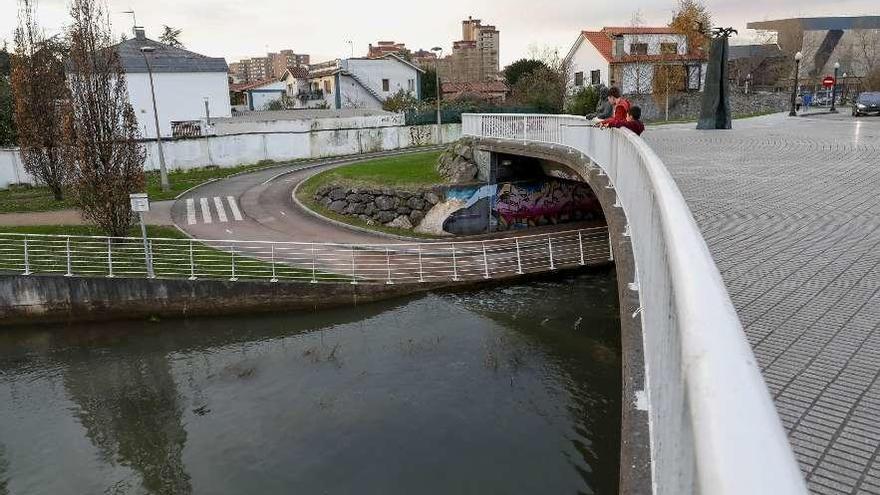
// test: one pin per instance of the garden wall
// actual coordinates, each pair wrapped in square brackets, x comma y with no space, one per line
[686,106]
[238,149]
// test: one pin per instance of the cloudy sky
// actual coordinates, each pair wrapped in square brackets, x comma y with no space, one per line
[239,28]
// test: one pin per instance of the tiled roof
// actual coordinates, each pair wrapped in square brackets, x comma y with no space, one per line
[298,72]
[237,88]
[165,58]
[602,40]
[614,31]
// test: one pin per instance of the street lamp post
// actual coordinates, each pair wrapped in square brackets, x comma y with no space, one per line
[439,51]
[797,68]
[834,89]
[748,81]
[163,172]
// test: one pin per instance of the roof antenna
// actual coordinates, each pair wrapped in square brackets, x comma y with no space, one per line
[133,16]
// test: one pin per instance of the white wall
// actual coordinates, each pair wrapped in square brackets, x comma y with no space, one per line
[654,40]
[230,151]
[261,96]
[356,96]
[372,71]
[585,59]
[179,96]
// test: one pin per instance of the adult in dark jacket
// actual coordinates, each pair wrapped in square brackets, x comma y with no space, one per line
[604,109]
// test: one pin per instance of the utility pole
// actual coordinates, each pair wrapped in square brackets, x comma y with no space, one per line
[439,51]
[163,172]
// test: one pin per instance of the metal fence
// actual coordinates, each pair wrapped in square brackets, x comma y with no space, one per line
[454,115]
[83,256]
[714,428]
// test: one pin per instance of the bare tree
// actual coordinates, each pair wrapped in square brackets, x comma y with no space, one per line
[102,129]
[39,93]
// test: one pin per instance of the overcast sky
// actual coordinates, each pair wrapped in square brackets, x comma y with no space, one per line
[240,28]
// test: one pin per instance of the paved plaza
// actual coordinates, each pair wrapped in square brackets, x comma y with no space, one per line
[790,208]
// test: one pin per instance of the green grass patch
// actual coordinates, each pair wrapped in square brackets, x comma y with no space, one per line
[174,256]
[412,171]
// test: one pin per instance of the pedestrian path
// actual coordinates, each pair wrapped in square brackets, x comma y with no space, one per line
[199,210]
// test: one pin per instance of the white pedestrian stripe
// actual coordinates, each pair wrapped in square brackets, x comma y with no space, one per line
[191,211]
[206,211]
[233,206]
[221,212]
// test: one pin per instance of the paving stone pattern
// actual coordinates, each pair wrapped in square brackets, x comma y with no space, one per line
[790,208]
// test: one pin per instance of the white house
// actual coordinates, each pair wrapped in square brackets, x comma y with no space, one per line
[352,83]
[258,95]
[184,82]
[627,57]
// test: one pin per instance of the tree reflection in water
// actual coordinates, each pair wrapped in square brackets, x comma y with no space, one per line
[131,411]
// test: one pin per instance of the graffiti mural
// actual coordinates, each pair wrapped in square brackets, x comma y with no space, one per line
[520,205]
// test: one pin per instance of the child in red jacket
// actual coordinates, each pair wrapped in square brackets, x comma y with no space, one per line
[621,107]
[631,122]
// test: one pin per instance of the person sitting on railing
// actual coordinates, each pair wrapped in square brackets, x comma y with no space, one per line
[621,106]
[632,121]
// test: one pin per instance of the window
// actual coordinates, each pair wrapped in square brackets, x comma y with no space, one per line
[595,77]
[327,87]
[411,85]
[386,85]
[694,77]
[638,49]
[668,48]
[579,79]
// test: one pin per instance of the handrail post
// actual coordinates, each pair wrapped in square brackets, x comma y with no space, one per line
[550,250]
[109,258]
[274,278]
[27,261]
[192,261]
[152,270]
[454,265]
[388,265]
[233,278]
[581,245]
[485,262]
[421,269]
[519,270]
[314,264]
[353,271]
[67,248]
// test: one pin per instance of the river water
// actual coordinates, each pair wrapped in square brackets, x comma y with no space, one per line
[508,390]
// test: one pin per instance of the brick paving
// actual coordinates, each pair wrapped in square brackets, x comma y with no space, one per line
[790,209]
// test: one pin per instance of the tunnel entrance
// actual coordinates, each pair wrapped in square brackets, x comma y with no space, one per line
[521,193]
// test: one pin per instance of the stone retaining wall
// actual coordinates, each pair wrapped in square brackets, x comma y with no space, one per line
[403,209]
[687,105]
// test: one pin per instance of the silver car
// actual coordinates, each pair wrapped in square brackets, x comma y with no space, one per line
[866,104]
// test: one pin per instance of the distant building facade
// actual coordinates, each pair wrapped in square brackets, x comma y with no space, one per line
[759,67]
[183,81]
[853,42]
[352,83]
[628,57]
[492,91]
[272,66]
[474,58]
[382,48]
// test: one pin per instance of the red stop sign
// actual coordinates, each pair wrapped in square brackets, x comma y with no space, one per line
[828,81]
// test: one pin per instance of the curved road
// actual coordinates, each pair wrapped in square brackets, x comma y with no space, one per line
[257,206]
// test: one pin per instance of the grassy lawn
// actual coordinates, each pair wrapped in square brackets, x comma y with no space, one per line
[401,172]
[32,199]
[172,257]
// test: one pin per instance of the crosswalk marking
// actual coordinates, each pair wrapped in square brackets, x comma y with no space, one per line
[221,212]
[217,203]
[233,206]
[206,211]
[191,211]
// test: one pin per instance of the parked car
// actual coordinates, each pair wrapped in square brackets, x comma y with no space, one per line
[866,104]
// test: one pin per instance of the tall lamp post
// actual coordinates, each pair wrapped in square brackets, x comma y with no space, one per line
[794,87]
[439,51]
[834,89]
[163,172]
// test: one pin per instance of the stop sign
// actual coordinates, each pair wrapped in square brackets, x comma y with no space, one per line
[828,81]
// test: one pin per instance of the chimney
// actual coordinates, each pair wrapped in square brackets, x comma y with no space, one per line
[617,47]
[139,33]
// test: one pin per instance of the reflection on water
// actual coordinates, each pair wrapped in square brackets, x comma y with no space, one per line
[509,390]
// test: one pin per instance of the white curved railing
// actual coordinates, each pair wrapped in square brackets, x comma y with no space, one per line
[86,256]
[714,428]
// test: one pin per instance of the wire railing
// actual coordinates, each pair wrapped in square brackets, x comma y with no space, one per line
[714,428]
[197,259]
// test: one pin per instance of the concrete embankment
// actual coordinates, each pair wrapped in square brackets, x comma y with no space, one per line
[58,299]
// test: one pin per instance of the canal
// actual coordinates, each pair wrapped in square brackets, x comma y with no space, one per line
[514,389]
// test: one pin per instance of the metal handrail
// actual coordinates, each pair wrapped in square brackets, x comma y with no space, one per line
[714,428]
[235,260]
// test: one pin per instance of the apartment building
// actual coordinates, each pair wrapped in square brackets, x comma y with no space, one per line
[272,66]
[475,57]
